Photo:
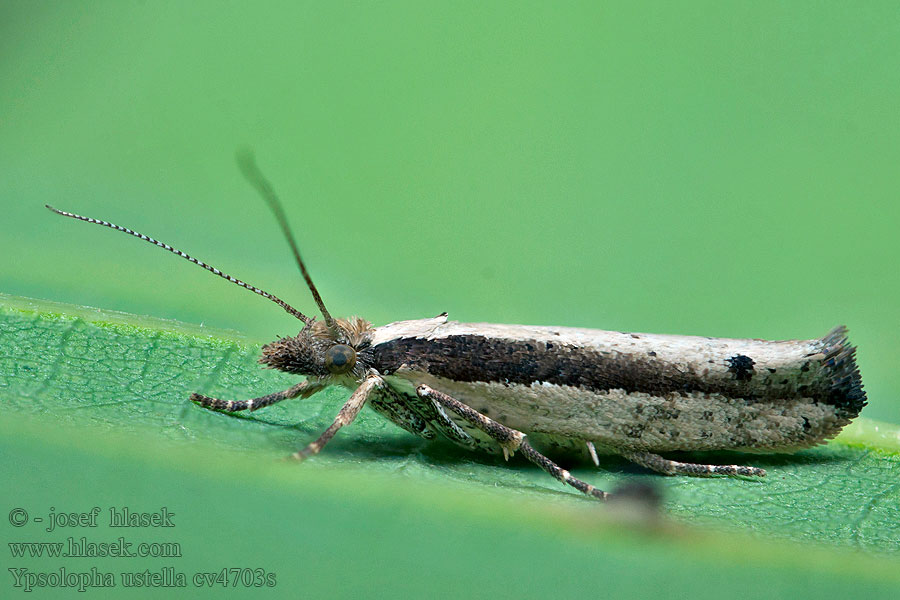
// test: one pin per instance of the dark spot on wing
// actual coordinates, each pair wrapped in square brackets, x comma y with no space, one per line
[741,367]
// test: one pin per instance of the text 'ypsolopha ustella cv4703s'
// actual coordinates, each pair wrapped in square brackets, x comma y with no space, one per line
[512,388]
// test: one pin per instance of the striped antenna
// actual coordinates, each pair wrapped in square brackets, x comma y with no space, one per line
[290,309]
[248,167]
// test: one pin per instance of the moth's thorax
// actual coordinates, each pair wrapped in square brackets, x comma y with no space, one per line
[323,352]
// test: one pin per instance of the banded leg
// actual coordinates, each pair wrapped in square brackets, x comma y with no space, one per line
[345,416]
[304,389]
[509,439]
[672,467]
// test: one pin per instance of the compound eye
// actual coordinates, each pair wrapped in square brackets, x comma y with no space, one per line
[340,359]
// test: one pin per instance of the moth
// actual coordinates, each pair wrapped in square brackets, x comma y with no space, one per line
[503,389]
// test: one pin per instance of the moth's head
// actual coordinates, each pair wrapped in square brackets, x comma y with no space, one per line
[323,352]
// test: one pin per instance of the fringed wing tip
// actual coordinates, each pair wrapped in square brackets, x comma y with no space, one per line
[840,362]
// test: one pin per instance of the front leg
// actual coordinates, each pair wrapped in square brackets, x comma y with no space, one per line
[509,439]
[304,389]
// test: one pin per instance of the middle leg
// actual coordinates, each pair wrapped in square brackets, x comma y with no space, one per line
[345,416]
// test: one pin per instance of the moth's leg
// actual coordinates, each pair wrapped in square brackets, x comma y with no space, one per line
[672,467]
[346,415]
[437,418]
[393,405]
[509,439]
[304,389]
[593,452]
[419,416]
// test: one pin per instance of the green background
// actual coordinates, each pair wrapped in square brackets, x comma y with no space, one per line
[703,168]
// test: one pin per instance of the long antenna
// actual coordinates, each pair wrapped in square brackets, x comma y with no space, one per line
[290,309]
[248,167]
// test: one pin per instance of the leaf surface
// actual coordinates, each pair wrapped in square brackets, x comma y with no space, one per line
[85,383]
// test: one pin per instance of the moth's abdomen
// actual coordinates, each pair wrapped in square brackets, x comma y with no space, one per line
[824,369]
[641,391]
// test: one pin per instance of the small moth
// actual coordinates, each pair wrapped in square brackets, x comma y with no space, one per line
[503,389]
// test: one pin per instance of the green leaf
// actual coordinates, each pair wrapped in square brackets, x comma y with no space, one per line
[95,412]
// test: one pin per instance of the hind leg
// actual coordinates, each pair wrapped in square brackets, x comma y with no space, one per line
[672,467]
